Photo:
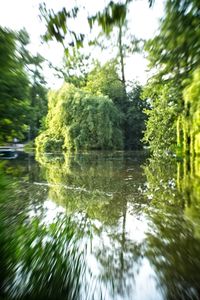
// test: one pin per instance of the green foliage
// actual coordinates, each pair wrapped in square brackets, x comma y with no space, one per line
[47,142]
[37,91]
[29,147]
[135,118]
[38,94]
[78,120]
[191,119]
[14,90]
[57,24]
[175,50]
[23,102]
[112,15]
[173,55]
[105,80]
[160,132]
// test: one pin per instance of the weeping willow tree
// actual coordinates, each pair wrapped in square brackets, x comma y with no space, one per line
[78,120]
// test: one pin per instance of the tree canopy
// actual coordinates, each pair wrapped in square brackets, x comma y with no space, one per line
[105,80]
[78,120]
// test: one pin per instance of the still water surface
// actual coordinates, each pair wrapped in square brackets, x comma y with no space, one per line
[111,226]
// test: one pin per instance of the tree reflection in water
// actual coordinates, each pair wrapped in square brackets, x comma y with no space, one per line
[100,187]
[100,226]
[173,243]
[40,251]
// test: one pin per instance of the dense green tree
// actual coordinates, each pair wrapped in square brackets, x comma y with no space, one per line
[78,120]
[160,133]
[124,43]
[23,102]
[14,90]
[135,118]
[105,80]
[173,55]
[38,94]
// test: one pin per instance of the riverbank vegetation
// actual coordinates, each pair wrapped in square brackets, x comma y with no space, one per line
[98,116]
[174,89]
[97,108]
[172,113]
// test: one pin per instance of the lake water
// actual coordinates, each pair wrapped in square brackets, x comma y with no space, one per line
[113,226]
